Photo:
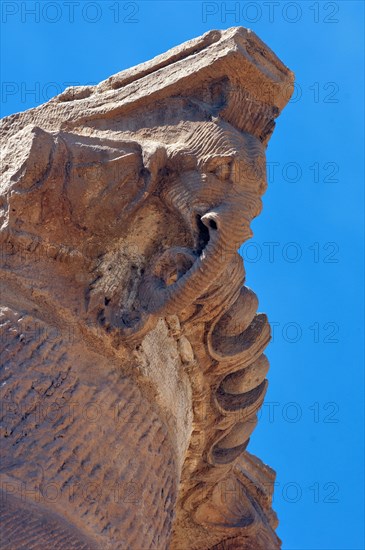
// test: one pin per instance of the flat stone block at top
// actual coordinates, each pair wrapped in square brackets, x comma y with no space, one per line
[256,75]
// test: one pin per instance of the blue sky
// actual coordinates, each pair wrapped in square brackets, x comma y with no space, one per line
[305,260]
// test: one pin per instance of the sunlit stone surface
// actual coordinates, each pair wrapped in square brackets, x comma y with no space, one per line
[132,353]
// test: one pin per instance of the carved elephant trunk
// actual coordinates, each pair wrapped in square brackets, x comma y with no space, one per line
[226,228]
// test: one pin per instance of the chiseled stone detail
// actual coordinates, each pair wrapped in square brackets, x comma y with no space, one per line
[132,364]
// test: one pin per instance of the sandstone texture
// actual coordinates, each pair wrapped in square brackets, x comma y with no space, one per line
[132,364]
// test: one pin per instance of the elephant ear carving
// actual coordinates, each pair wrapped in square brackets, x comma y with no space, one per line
[87,184]
[108,180]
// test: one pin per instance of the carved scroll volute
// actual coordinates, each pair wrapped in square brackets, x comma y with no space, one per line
[131,199]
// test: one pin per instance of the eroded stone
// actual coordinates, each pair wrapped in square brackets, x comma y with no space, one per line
[131,355]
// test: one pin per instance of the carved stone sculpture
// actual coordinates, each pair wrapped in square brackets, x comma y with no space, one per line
[132,354]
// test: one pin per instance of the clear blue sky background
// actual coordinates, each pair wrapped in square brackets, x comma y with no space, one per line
[309,273]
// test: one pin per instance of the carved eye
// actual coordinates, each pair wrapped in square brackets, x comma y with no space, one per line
[221,167]
[223,171]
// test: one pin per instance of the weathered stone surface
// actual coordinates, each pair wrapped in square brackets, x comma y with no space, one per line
[132,366]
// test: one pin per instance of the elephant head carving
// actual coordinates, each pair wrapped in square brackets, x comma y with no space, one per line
[123,207]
